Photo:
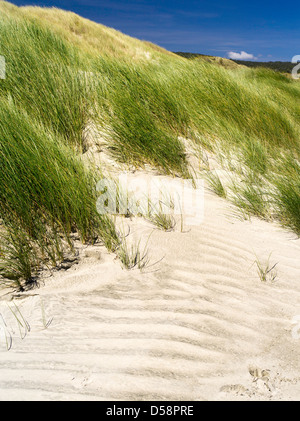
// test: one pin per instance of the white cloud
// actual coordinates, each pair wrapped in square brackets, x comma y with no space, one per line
[241,56]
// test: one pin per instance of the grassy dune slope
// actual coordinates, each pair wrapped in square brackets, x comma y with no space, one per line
[65,72]
[89,36]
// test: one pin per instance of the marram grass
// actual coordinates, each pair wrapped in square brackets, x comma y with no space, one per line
[65,72]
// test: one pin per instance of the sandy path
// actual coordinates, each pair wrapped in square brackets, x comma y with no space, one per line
[198,325]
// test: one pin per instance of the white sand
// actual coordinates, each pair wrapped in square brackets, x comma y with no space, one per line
[198,325]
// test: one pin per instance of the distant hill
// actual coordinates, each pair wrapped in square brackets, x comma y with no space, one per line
[225,62]
[279,66]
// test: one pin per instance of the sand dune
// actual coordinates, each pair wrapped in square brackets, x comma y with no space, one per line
[198,325]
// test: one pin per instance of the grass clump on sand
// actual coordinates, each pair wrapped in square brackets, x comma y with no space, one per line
[46,193]
[131,256]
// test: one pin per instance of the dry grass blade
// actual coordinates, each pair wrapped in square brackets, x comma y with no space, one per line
[266,272]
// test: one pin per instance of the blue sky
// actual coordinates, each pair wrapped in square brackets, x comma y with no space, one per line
[258,30]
